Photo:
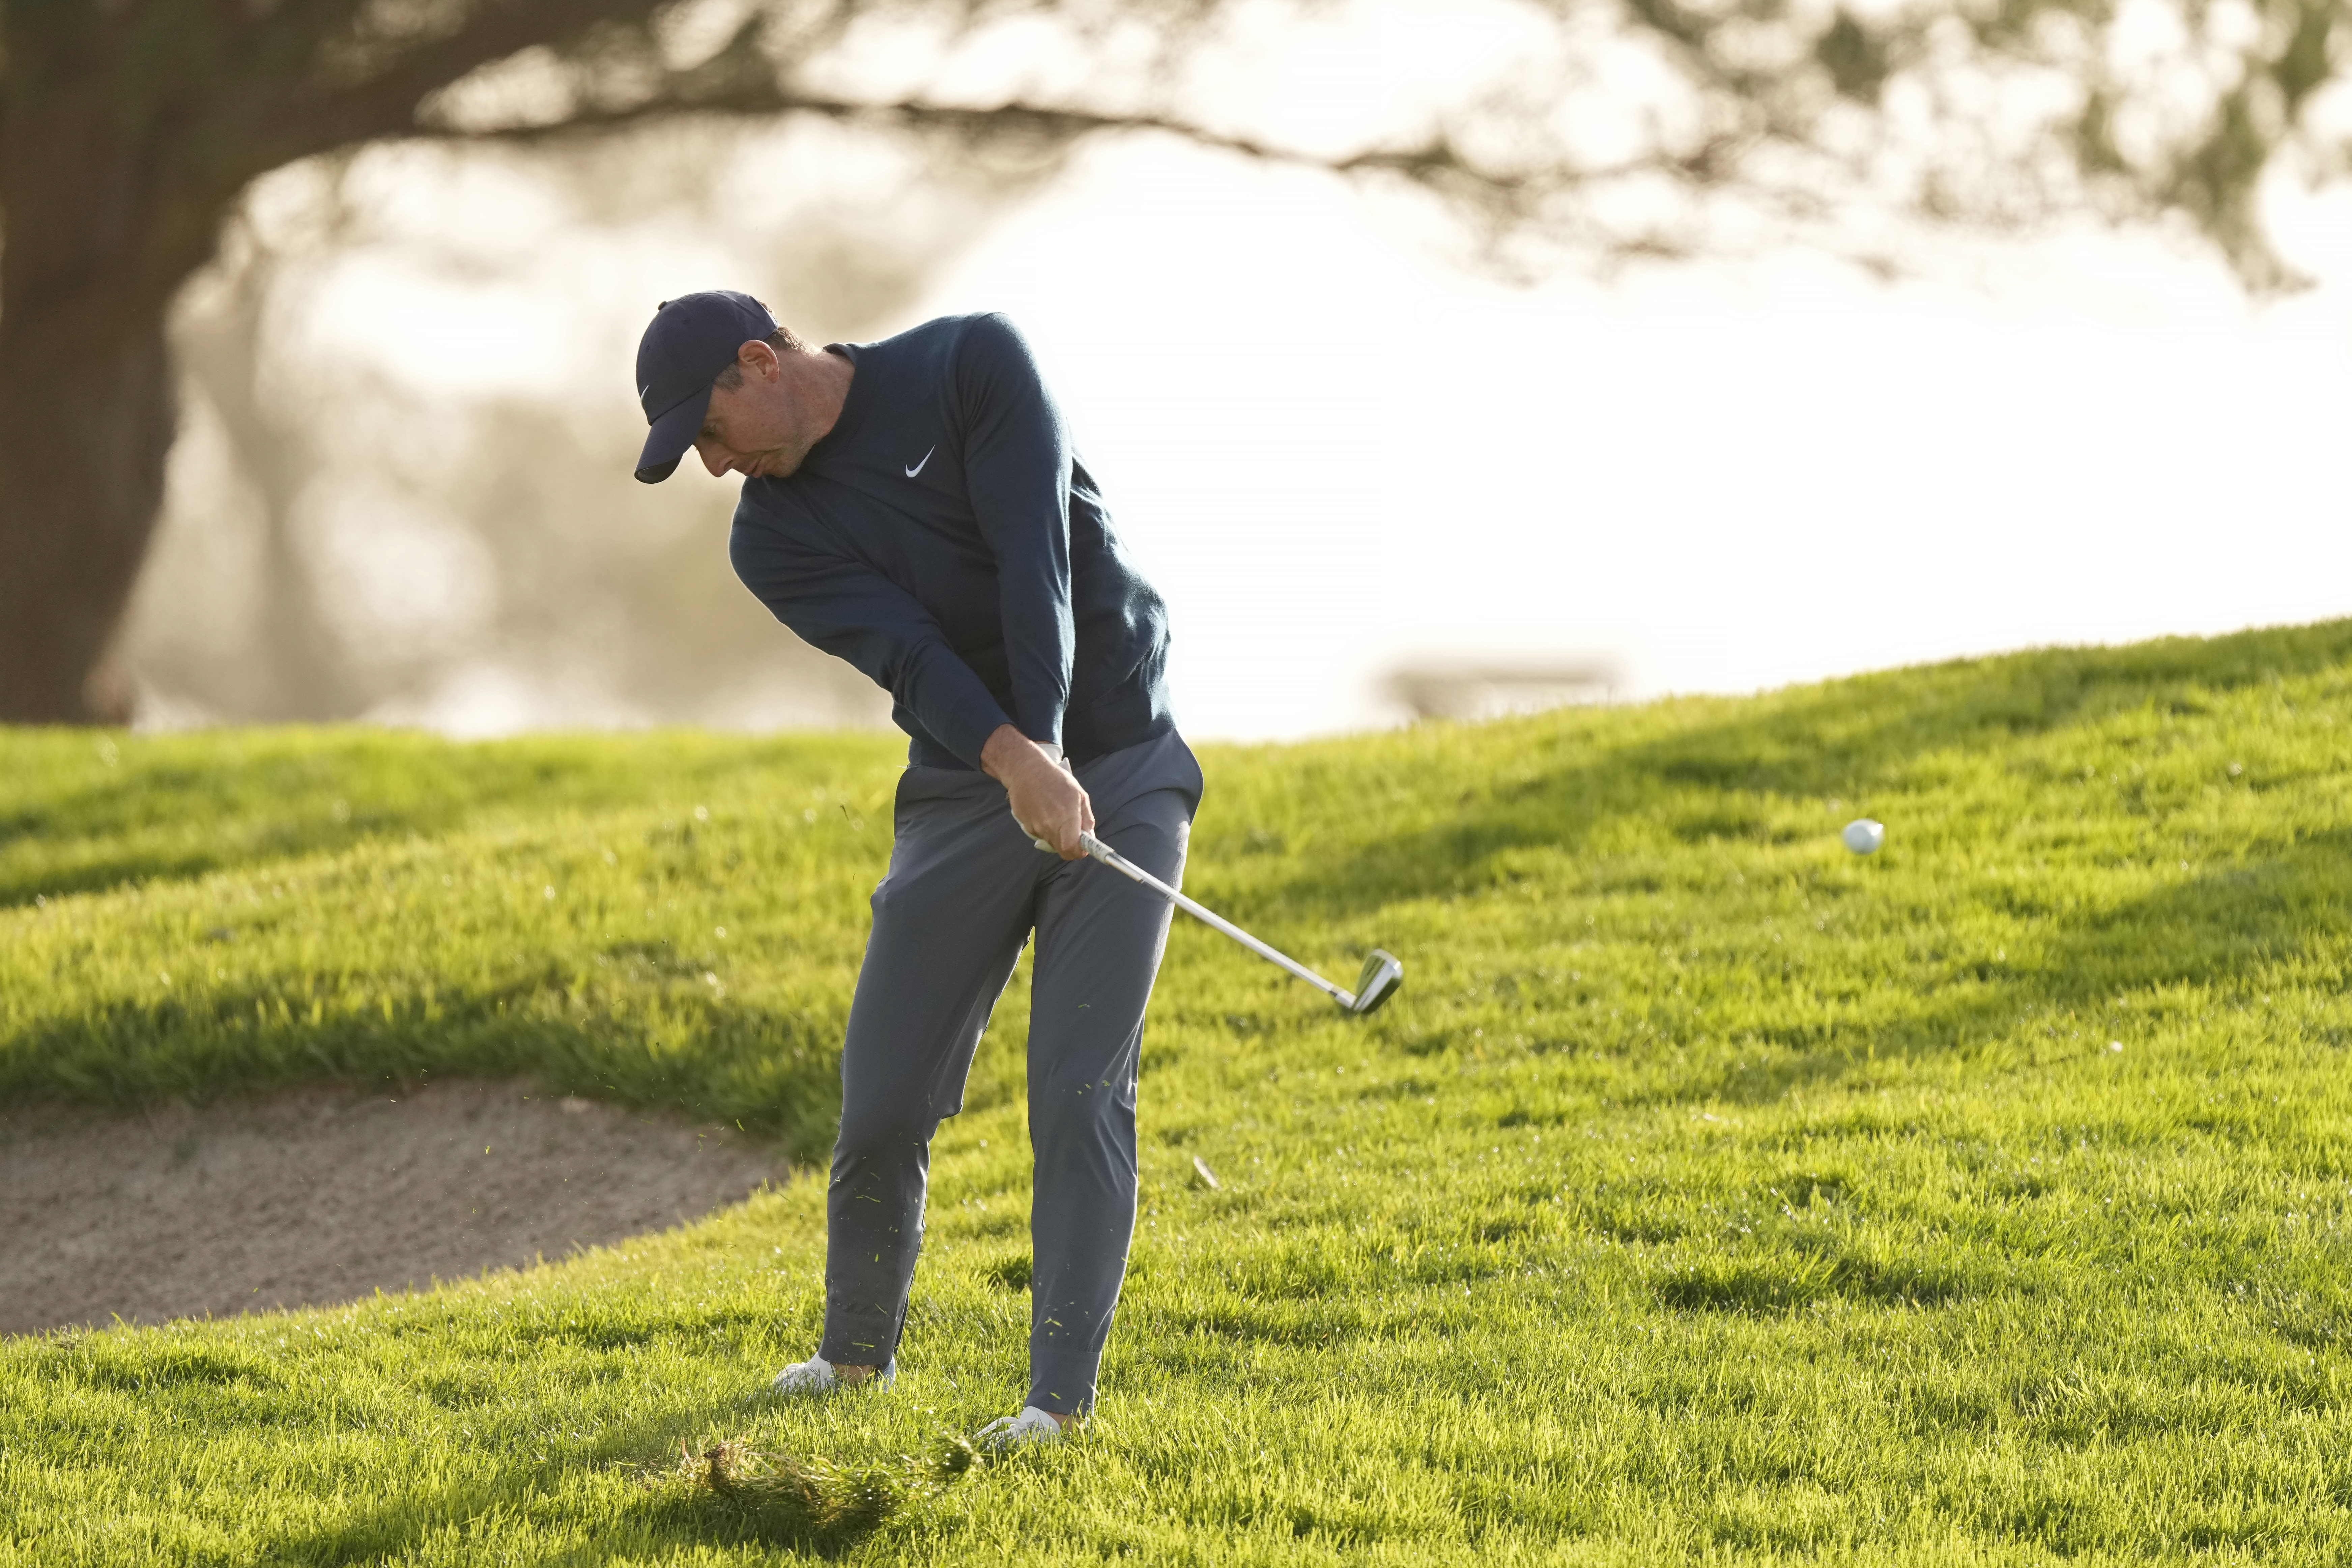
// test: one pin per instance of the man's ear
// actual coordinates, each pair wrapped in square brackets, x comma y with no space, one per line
[759,359]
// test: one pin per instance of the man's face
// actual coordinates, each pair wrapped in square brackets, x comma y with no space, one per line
[753,428]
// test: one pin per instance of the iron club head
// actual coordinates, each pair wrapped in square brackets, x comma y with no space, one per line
[1382,977]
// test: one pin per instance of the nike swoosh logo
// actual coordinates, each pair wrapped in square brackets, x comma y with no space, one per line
[644,392]
[920,466]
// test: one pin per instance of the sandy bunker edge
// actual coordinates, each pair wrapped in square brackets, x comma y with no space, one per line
[319,1195]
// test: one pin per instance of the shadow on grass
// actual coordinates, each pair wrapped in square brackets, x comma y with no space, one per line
[776,1074]
[721,1493]
[2216,931]
[259,796]
[1790,1280]
[181,807]
[1840,740]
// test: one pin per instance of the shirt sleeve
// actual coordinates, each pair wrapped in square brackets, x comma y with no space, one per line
[1016,465]
[852,612]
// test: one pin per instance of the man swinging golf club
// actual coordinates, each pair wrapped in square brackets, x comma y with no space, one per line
[912,506]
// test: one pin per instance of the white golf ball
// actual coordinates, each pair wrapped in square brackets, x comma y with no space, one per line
[1864,836]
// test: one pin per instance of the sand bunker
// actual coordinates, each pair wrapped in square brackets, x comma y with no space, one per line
[324,1196]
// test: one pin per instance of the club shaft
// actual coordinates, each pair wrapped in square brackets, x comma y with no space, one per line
[1133,872]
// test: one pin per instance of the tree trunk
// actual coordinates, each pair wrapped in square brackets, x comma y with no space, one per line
[86,422]
[102,228]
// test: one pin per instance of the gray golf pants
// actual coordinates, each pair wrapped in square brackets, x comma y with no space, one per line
[965,890]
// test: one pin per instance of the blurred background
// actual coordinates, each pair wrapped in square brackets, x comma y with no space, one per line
[1436,358]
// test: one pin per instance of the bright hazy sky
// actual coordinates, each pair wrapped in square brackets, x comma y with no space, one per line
[1336,449]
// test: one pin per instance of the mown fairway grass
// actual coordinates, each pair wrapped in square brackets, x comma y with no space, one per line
[1709,1193]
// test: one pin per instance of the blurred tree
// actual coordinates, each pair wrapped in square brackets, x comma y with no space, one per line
[128,129]
[483,569]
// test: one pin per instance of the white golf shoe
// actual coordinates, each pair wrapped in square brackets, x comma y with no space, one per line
[1032,1426]
[816,1375]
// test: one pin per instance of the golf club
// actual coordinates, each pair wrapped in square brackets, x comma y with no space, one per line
[1383,972]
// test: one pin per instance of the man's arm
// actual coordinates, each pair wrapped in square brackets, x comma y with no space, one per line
[1016,463]
[853,613]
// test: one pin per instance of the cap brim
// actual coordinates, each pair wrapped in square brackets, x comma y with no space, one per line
[672,434]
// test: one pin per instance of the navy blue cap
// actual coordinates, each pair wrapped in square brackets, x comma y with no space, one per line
[690,340]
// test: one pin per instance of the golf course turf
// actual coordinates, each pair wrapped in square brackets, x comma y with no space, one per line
[1708,1193]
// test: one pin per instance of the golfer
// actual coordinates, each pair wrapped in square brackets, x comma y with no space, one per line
[912,506]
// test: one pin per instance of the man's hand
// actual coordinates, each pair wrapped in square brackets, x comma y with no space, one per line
[1047,802]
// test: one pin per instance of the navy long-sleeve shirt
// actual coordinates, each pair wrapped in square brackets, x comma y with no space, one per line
[943,539]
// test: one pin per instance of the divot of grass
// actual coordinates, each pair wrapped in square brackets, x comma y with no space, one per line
[729,1490]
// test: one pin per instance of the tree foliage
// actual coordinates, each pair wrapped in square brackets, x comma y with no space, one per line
[1639,125]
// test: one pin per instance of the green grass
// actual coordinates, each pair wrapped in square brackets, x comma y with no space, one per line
[1709,1193]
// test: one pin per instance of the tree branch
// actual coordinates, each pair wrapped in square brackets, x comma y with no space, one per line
[316,110]
[1754,104]
[1437,160]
